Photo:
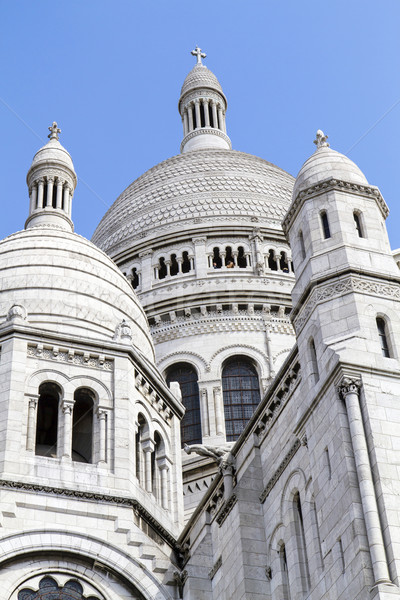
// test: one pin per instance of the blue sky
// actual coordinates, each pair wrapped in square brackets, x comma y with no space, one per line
[110,73]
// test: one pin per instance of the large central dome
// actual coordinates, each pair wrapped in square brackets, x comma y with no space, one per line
[205,186]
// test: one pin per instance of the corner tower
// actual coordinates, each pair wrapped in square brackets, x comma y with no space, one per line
[202,106]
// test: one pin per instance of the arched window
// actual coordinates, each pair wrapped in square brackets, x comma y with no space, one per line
[162,268]
[217,261]
[301,542]
[186,266]
[325,225]
[135,278]
[47,420]
[49,588]
[302,246]
[272,260]
[284,571]
[140,434]
[241,260]
[82,426]
[283,262]
[314,362]
[357,222]
[241,393]
[186,376]
[229,262]
[383,337]
[174,268]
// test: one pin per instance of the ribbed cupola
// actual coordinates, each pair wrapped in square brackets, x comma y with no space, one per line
[202,106]
[51,181]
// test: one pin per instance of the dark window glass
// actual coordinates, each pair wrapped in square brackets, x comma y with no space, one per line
[381,325]
[325,225]
[49,590]
[174,268]
[217,260]
[185,263]
[357,222]
[135,278]
[241,393]
[186,376]
[47,420]
[272,261]
[242,261]
[82,426]
[162,269]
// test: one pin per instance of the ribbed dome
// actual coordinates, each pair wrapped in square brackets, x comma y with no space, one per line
[325,164]
[67,285]
[207,187]
[53,152]
[200,77]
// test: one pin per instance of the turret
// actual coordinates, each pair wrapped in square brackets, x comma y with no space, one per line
[51,181]
[202,106]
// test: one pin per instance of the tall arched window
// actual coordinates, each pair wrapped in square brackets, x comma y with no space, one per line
[82,426]
[301,542]
[241,392]
[314,361]
[325,225]
[383,337]
[142,431]
[47,420]
[186,376]
[358,223]
[302,246]
[284,571]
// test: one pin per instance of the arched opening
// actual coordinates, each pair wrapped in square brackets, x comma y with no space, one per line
[314,361]
[174,268]
[383,337]
[229,262]
[358,224]
[162,268]
[82,426]
[284,571]
[194,117]
[241,260]
[141,428]
[272,264]
[325,225]
[49,588]
[241,394]
[210,115]
[186,376]
[47,420]
[135,278]
[283,262]
[302,246]
[301,542]
[217,260]
[202,115]
[54,198]
[185,262]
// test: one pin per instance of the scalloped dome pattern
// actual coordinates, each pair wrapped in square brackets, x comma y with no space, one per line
[211,185]
[200,76]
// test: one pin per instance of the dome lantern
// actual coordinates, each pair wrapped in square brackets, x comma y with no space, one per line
[202,106]
[51,181]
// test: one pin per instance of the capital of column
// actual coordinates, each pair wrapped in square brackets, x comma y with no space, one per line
[102,413]
[50,179]
[67,406]
[199,240]
[33,400]
[348,386]
[148,445]
[197,101]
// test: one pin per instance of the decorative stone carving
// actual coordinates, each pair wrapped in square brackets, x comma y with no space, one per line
[349,385]
[17,313]
[123,333]
[68,355]
[320,140]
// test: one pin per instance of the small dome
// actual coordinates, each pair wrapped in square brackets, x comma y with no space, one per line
[200,77]
[325,164]
[53,152]
[68,286]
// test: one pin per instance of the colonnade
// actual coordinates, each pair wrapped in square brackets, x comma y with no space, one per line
[42,195]
[203,112]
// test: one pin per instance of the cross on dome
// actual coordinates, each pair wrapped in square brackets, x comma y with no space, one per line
[320,140]
[197,52]
[54,131]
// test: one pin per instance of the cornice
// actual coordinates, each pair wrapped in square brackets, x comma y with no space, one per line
[327,186]
[275,477]
[207,130]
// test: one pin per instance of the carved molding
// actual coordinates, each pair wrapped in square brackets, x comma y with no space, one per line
[349,385]
[226,509]
[275,477]
[350,283]
[215,568]
[207,130]
[86,359]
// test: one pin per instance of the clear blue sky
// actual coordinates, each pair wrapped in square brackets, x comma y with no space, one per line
[110,73]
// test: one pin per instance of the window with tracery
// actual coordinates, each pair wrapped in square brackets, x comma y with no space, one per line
[186,376]
[241,394]
[50,590]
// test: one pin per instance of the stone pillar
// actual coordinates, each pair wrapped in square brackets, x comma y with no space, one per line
[33,199]
[349,390]
[205,424]
[226,467]
[200,256]
[219,412]
[185,122]
[102,416]
[269,349]
[163,466]
[214,113]
[220,118]
[168,265]
[66,198]
[40,193]
[30,435]
[59,194]
[191,258]
[235,257]
[147,448]
[190,113]
[49,197]
[67,408]
[206,113]
[179,261]
[146,269]
[197,109]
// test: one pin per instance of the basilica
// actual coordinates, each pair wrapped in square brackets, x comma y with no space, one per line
[201,403]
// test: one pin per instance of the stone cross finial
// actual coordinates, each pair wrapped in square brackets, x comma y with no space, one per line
[197,52]
[320,140]
[54,131]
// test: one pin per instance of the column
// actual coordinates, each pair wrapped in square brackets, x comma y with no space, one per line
[40,193]
[146,269]
[349,390]
[59,193]
[235,257]
[67,408]
[164,484]
[223,122]
[269,350]
[30,436]
[191,258]
[33,198]
[220,118]
[147,448]
[214,113]
[205,425]
[168,265]
[197,109]
[49,197]
[218,407]
[102,416]
[206,113]
[185,122]
[190,112]
[66,198]
[226,467]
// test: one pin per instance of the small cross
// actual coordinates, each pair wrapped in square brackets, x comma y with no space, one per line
[197,52]
[54,131]
[320,140]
